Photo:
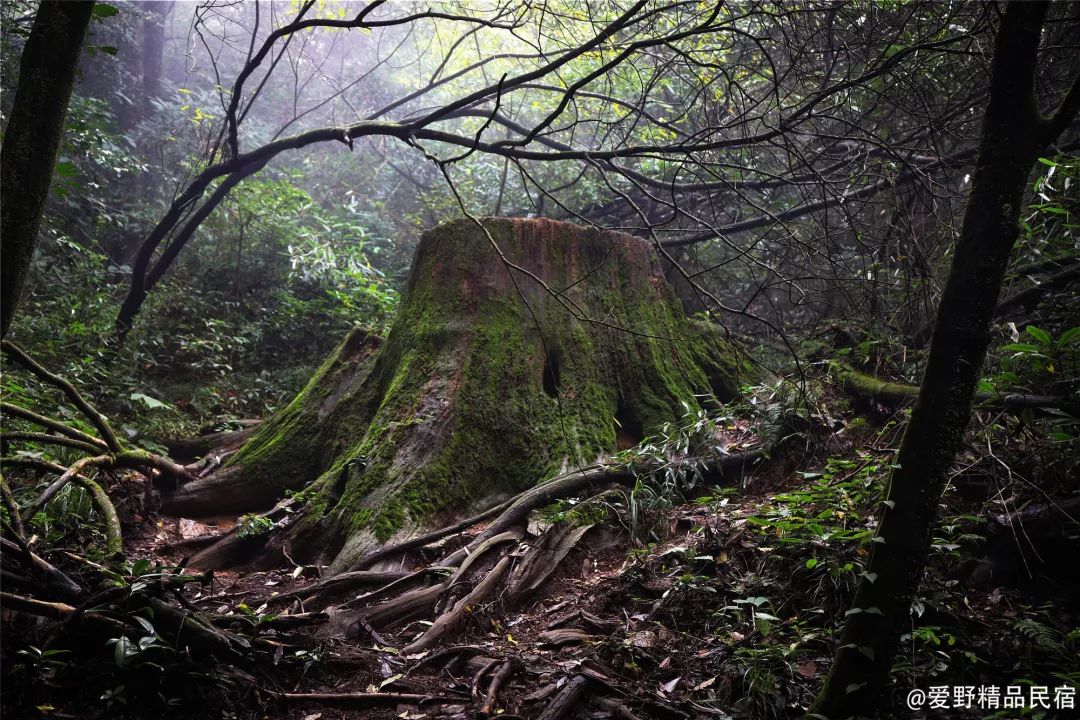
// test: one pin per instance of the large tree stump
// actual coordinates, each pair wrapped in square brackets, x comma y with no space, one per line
[486,384]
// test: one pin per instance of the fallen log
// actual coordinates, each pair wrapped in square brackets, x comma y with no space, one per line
[890,393]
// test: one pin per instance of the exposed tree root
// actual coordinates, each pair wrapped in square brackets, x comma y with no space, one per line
[616,708]
[340,584]
[406,606]
[428,538]
[571,696]
[540,560]
[447,624]
[478,677]
[500,566]
[366,701]
[497,681]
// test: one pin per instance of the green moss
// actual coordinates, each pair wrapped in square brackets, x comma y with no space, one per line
[454,412]
[388,521]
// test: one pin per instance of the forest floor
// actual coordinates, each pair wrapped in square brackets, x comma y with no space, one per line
[720,604]
[628,622]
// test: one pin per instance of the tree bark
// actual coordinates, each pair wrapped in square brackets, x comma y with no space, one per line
[32,138]
[1014,133]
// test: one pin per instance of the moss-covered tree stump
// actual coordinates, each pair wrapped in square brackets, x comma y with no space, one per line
[487,383]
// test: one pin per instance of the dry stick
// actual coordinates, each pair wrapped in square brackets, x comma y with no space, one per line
[364,701]
[447,623]
[402,547]
[54,425]
[96,419]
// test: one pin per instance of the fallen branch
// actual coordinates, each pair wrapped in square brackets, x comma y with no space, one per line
[55,425]
[54,577]
[47,439]
[96,419]
[41,608]
[60,483]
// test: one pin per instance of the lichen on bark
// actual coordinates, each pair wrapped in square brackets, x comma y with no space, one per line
[483,387]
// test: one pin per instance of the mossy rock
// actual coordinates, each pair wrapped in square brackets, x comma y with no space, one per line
[487,383]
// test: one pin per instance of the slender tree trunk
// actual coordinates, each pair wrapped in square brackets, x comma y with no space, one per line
[1014,133]
[32,138]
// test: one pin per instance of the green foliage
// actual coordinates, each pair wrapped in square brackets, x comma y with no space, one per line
[1028,363]
[675,456]
[831,516]
[1049,227]
[253,525]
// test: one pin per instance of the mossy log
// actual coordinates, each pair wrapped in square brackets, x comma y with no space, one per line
[487,383]
[890,393]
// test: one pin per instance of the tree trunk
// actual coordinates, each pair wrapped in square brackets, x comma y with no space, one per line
[32,138]
[1014,133]
[487,384]
[150,55]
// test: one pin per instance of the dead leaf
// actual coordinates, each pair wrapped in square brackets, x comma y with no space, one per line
[642,639]
[669,687]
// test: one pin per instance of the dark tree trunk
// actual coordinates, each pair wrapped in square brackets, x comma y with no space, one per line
[1014,133]
[486,385]
[32,138]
